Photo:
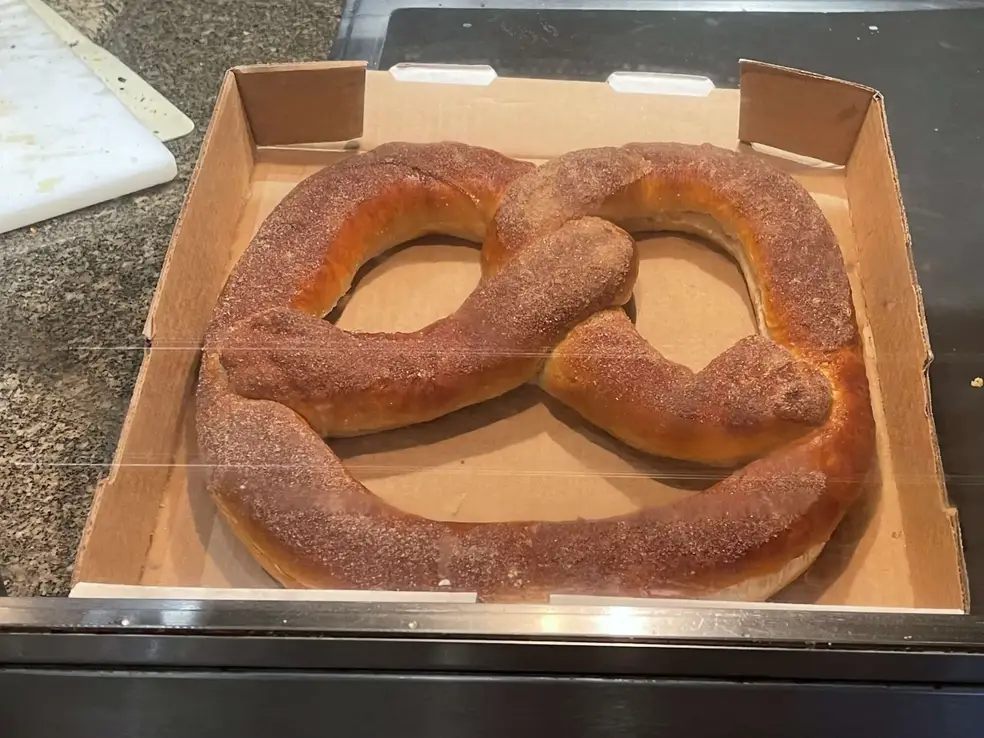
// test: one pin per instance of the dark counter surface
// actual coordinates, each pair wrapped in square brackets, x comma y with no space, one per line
[75,290]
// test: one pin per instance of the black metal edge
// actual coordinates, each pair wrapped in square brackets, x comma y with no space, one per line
[694,627]
[494,656]
[246,704]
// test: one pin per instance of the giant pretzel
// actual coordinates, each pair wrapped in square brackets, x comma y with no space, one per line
[276,377]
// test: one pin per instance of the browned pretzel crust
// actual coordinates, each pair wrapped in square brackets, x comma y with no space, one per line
[546,310]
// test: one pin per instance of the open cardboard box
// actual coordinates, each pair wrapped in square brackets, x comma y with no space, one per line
[521,456]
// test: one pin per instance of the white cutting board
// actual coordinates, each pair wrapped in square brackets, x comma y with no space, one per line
[151,108]
[66,142]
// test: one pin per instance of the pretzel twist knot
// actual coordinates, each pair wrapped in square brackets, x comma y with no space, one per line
[791,404]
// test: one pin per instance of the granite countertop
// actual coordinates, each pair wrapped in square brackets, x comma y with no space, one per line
[74,291]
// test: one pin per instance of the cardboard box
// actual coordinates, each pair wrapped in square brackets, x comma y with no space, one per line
[522,456]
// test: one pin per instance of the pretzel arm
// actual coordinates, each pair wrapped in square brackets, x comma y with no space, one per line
[346,383]
[750,399]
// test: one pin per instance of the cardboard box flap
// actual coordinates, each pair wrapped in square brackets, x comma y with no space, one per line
[303,103]
[801,112]
[901,338]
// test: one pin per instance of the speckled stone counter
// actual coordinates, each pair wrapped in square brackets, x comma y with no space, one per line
[74,291]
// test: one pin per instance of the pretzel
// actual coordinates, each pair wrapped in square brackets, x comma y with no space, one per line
[276,377]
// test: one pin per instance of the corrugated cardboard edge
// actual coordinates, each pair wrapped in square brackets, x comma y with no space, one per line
[140,591]
[877,115]
[143,591]
[801,112]
[587,601]
[226,91]
[227,104]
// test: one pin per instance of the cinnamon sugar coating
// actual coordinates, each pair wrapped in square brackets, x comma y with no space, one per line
[547,310]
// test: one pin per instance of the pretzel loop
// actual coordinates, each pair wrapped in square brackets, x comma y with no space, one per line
[555,271]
